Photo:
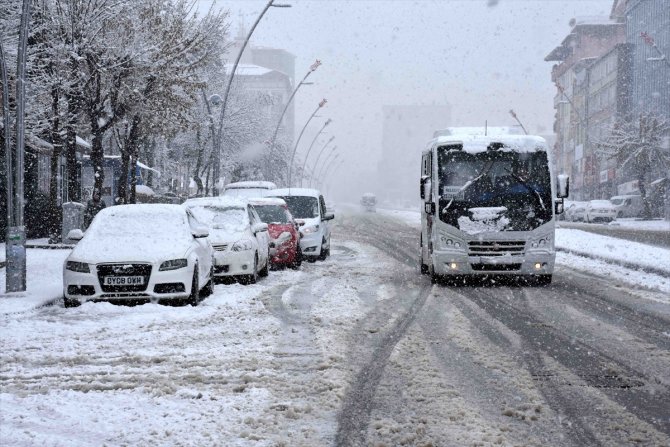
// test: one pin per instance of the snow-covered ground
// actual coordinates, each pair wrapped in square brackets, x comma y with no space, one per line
[239,369]
[606,254]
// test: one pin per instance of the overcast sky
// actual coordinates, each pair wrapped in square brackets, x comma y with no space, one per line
[483,57]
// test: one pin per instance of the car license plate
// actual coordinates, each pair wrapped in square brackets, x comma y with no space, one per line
[124,280]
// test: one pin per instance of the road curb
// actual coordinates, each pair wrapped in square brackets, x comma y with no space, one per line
[628,265]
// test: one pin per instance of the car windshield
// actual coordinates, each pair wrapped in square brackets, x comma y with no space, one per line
[302,207]
[616,201]
[272,214]
[138,225]
[231,219]
[493,190]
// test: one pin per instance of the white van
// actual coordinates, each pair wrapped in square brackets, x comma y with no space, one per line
[628,205]
[248,190]
[309,210]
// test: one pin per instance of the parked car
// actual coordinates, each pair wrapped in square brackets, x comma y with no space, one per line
[309,209]
[369,202]
[575,211]
[248,190]
[600,211]
[239,237]
[283,231]
[628,205]
[147,252]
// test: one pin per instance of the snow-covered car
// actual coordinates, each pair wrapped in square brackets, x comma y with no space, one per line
[308,208]
[146,252]
[248,190]
[369,202]
[239,237]
[574,211]
[283,231]
[600,211]
[628,206]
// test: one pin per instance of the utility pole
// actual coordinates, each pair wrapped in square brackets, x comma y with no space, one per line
[16,232]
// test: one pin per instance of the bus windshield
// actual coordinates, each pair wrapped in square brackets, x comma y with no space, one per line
[493,190]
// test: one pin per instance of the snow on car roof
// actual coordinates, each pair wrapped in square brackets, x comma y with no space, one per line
[251,184]
[268,201]
[295,192]
[217,201]
[479,143]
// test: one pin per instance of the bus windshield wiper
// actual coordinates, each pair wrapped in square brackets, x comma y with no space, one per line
[485,171]
[525,183]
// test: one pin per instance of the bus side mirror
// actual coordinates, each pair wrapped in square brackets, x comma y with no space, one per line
[563,186]
[429,208]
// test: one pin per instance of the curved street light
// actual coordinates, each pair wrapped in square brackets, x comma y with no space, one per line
[318,157]
[312,69]
[216,169]
[331,171]
[290,165]
[304,165]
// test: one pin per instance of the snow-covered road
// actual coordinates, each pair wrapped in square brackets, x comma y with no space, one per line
[357,350]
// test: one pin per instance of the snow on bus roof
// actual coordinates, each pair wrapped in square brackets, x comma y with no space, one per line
[479,143]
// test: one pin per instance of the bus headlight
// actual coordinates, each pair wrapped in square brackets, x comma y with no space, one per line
[450,243]
[543,243]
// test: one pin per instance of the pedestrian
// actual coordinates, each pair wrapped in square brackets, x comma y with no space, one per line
[93,206]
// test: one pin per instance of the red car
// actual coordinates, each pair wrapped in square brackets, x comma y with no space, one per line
[283,229]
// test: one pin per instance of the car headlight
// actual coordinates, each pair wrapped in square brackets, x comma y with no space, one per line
[76,266]
[310,229]
[173,264]
[242,245]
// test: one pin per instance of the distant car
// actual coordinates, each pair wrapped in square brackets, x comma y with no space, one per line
[600,211]
[283,231]
[369,202]
[628,205]
[238,235]
[575,211]
[248,190]
[308,207]
[147,252]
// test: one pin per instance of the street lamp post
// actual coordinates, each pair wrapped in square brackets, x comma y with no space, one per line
[290,165]
[318,157]
[650,41]
[511,112]
[331,171]
[312,69]
[218,141]
[15,246]
[304,165]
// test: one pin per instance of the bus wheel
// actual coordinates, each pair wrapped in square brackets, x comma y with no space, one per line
[543,280]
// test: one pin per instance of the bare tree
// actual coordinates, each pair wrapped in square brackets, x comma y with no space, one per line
[640,146]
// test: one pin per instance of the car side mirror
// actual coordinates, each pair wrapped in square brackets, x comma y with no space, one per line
[563,186]
[328,216]
[200,232]
[559,207]
[429,208]
[75,235]
[259,228]
[424,186]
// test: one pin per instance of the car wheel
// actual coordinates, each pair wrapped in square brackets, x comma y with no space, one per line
[209,287]
[265,270]
[67,302]
[194,297]
[434,278]
[324,253]
[253,277]
[424,267]
[297,261]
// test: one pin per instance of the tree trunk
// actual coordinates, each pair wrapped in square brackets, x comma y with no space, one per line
[122,188]
[646,213]
[57,142]
[73,177]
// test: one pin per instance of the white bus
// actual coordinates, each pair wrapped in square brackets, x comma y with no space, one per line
[489,207]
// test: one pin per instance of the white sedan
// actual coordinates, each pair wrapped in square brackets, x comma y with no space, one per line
[139,253]
[600,211]
[238,235]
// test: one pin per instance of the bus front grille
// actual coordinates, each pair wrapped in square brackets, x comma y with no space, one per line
[496,248]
